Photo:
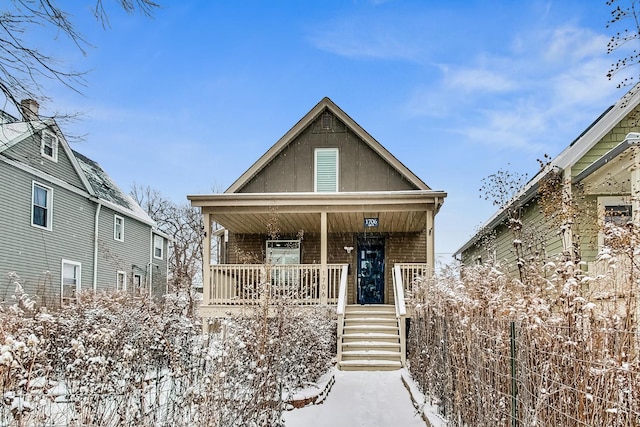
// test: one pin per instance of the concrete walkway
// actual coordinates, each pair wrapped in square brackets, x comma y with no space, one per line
[361,399]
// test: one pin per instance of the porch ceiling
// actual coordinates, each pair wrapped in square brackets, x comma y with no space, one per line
[401,211]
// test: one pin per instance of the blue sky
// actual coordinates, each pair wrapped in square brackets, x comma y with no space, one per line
[456,90]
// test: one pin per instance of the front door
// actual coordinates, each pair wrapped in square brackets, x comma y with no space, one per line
[370,271]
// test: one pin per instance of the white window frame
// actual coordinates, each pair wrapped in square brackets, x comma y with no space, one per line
[116,219]
[158,239]
[48,207]
[121,280]
[137,282]
[284,258]
[315,169]
[78,281]
[49,136]
[603,202]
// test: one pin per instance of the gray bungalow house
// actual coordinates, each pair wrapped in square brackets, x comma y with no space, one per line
[326,216]
[599,172]
[65,226]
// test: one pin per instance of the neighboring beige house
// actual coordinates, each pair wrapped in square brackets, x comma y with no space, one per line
[326,216]
[598,172]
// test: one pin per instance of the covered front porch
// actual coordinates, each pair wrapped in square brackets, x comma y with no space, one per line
[306,246]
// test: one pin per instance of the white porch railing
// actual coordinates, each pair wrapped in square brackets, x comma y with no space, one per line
[246,284]
[409,272]
[341,307]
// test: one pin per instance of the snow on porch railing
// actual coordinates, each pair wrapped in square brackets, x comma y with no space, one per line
[245,284]
[341,307]
[409,272]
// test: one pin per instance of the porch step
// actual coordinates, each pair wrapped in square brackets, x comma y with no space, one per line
[370,339]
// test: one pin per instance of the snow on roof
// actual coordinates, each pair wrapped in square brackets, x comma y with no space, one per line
[11,133]
[107,190]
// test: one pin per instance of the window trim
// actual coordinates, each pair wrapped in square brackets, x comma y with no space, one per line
[119,274]
[157,238]
[78,284]
[296,242]
[48,207]
[603,203]
[115,227]
[137,285]
[315,169]
[54,145]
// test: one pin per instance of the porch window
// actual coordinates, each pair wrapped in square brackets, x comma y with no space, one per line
[326,170]
[281,252]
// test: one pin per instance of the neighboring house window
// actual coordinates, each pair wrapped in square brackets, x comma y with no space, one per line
[326,170]
[613,210]
[121,281]
[49,146]
[158,246]
[137,283]
[71,278]
[41,197]
[618,214]
[118,228]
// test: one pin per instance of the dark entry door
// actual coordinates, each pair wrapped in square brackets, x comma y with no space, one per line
[371,271]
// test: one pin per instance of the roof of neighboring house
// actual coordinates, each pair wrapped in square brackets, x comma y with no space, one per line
[107,190]
[307,120]
[567,158]
[97,182]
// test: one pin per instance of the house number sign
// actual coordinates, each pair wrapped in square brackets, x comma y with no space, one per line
[371,222]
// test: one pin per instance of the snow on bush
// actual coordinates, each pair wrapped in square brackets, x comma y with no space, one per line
[576,355]
[118,360]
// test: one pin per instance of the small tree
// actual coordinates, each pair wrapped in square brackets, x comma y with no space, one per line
[625,42]
[184,224]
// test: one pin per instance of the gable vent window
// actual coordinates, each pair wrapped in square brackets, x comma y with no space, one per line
[326,170]
[327,120]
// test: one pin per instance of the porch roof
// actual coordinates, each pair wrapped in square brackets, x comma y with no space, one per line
[397,211]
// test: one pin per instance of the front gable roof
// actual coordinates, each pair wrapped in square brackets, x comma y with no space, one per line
[305,122]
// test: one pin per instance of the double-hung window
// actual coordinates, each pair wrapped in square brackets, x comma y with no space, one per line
[49,146]
[121,281]
[118,228]
[326,170]
[71,280]
[158,246]
[41,205]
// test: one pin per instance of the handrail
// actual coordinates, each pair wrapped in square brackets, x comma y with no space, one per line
[342,293]
[401,311]
[398,292]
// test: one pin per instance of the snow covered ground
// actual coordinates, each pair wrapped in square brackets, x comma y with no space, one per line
[361,399]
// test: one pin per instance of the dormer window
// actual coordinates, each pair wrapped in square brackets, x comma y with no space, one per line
[49,146]
[326,170]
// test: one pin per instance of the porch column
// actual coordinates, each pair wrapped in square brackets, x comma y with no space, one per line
[323,258]
[567,221]
[206,268]
[431,256]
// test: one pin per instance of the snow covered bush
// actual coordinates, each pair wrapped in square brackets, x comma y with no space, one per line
[118,360]
[574,358]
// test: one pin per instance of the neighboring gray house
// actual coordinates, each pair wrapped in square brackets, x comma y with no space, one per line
[65,226]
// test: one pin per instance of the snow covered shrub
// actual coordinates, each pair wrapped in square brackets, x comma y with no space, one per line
[118,360]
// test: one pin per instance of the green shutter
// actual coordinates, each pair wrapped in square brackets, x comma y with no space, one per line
[326,170]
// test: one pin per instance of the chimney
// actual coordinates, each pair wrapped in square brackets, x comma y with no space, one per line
[29,109]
